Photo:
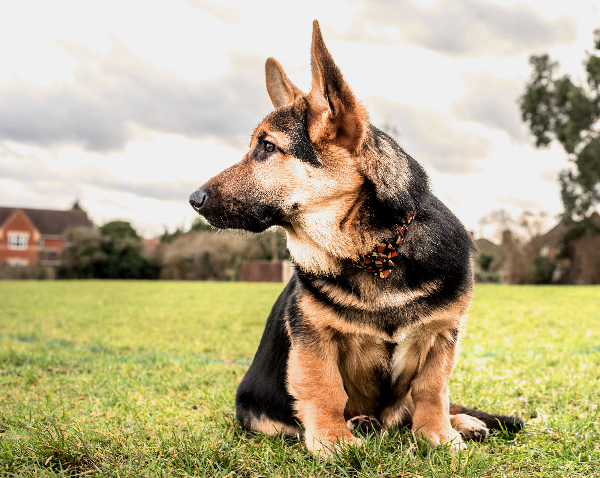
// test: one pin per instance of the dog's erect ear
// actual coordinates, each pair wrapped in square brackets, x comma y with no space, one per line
[335,113]
[281,90]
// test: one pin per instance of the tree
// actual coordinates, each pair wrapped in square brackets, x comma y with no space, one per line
[113,251]
[555,108]
[527,226]
[169,237]
[200,224]
[120,231]
[84,257]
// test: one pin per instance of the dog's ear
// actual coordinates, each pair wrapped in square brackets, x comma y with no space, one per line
[281,90]
[334,112]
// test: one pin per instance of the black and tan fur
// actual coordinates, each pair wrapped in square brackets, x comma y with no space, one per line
[340,343]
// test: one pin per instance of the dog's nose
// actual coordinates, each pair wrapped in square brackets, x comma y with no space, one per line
[198,199]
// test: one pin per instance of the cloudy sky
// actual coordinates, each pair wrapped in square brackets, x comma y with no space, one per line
[129,106]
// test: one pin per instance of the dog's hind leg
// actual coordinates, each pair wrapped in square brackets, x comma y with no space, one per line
[471,424]
[263,424]
[364,424]
[469,427]
[467,418]
[262,402]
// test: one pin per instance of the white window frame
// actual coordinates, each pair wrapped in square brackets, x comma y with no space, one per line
[17,262]
[18,241]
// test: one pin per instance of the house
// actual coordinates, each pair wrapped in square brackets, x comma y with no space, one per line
[563,255]
[579,261]
[30,237]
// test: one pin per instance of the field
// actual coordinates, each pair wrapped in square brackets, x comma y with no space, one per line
[138,379]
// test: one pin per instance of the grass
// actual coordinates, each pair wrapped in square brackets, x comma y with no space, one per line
[139,378]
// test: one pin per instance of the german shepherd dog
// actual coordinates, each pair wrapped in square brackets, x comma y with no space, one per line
[367,330]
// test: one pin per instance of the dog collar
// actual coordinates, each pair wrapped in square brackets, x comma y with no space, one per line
[379,262]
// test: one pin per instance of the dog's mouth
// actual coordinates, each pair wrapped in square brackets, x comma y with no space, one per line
[235,213]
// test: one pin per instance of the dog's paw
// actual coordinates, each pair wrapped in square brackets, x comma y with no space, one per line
[364,425]
[448,437]
[455,442]
[327,449]
[469,427]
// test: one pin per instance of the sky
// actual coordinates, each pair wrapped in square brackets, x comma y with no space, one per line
[129,106]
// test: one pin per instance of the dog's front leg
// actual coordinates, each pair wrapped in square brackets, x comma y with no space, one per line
[431,416]
[315,382]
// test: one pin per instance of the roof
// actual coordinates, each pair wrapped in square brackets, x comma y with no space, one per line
[553,236]
[485,246]
[49,221]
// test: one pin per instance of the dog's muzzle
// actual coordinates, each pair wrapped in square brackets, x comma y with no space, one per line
[198,199]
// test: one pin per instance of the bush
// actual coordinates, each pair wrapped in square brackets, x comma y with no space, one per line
[485,261]
[217,255]
[114,251]
[541,270]
[29,272]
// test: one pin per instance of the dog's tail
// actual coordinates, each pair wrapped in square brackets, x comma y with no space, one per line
[493,422]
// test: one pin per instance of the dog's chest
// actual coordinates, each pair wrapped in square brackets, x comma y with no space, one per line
[374,370]
[371,355]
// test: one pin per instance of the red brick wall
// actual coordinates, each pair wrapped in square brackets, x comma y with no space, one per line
[261,271]
[53,243]
[19,223]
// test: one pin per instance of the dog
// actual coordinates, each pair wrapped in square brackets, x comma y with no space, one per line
[366,332]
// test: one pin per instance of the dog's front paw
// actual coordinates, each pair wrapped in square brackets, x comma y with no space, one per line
[443,436]
[364,425]
[328,447]
[469,427]
[455,441]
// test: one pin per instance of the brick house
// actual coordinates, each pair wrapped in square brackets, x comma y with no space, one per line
[30,237]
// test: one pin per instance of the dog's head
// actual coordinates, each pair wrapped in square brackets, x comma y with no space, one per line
[317,168]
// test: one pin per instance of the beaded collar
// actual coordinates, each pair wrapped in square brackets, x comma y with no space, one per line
[379,262]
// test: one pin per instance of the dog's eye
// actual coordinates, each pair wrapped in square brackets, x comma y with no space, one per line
[264,150]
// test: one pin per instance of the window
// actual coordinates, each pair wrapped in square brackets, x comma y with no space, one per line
[17,241]
[17,262]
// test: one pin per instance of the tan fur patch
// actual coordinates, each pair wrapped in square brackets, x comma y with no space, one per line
[423,359]
[359,355]
[362,361]
[370,296]
[272,427]
[315,382]
[437,357]
[324,318]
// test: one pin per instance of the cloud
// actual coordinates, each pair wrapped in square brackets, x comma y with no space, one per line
[111,93]
[525,204]
[460,27]
[549,176]
[492,101]
[431,137]
[228,15]
[45,181]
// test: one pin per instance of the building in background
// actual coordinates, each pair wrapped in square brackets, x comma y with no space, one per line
[266,271]
[36,237]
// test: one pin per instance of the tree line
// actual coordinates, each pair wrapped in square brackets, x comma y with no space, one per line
[116,251]
[111,251]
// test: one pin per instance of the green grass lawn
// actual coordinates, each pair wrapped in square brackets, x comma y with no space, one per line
[138,379]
